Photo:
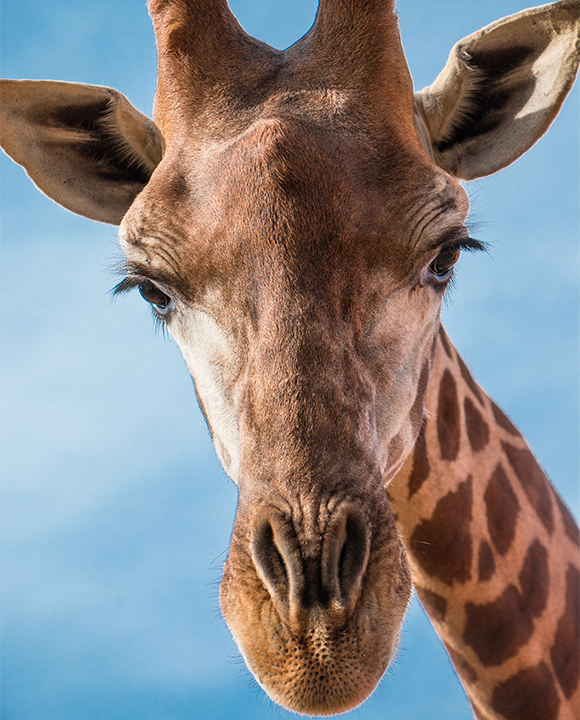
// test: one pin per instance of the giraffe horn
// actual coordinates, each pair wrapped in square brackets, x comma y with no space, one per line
[356,45]
[352,14]
[204,29]
[199,44]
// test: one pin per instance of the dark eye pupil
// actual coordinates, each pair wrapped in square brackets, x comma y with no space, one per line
[443,263]
[153,294]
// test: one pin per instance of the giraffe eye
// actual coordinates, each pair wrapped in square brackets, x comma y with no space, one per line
[154,295]
[443,264]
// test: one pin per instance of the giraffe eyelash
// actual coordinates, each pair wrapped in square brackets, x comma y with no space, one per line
[133,275]
[133,280]
[471,245]
[467,243]
[127,284]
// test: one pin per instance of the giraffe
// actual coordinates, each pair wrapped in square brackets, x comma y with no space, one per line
[485,534]
[349,521]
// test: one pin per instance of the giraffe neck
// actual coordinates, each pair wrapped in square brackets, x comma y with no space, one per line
[493,552]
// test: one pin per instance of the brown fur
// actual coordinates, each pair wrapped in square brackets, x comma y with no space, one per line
[279,157]
[287,209]
[510,619]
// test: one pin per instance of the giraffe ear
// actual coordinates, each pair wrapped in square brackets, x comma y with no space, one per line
[501,89]
[85,146]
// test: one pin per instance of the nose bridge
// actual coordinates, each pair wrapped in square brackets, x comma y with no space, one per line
[307,398]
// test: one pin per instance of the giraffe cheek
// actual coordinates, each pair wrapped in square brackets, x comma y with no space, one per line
[212,362]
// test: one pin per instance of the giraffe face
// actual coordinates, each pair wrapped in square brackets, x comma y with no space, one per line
[306,311]
[294,234]
[272,270]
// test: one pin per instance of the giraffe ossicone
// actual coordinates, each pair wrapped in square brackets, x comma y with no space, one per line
[293,218]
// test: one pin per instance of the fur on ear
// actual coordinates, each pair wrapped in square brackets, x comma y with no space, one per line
[85,146]
[501,89]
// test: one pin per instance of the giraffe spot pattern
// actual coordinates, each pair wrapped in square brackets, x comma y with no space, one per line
[464,669]
[533,481]
[529,695]
[442,545]
[434,604]
[472,385]
[448,418]
[421,469]
[477,428]
[502,508]
[418,409]
[503,420]
[485,562]
[535,579]
[565,652]
[496,630]
[570,526]
[445,342]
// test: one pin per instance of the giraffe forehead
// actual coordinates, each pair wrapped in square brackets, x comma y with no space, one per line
[288,192]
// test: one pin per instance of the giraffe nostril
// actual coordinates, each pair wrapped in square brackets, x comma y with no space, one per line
[301,570]
[269,559]
[345,556]
[276,555]
[353,556]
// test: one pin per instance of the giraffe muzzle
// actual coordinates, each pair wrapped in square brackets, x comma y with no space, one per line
[320,572]
[314,592]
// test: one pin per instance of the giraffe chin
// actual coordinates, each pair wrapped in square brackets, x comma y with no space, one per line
[317,629]
[317,674]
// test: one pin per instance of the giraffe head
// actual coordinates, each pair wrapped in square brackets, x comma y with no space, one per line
[293,218]
[293,289]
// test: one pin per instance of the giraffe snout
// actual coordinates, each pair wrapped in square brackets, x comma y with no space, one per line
[314,591]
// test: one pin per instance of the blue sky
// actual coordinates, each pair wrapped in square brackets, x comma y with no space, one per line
[116,513]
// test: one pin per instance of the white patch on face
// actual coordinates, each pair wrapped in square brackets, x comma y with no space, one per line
[212,361]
